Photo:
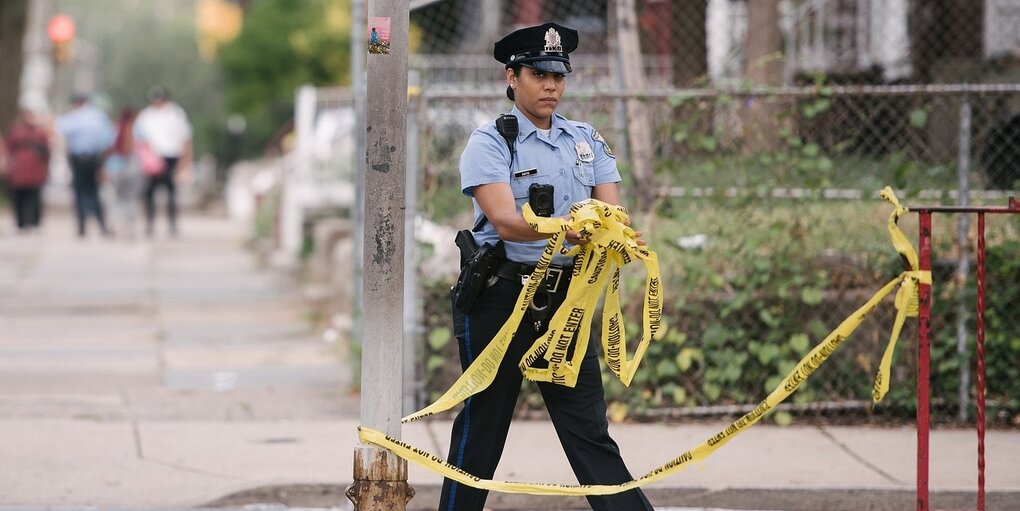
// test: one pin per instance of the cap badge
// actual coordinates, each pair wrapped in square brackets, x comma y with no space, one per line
[585,154]
[552,41]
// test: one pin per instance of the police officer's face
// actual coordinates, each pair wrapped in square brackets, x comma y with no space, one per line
[537,94]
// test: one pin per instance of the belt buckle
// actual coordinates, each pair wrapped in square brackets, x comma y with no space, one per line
[553,273]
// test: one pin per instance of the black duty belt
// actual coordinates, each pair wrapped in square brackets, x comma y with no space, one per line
[557,278]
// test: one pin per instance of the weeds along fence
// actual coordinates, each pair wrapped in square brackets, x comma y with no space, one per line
[760,204]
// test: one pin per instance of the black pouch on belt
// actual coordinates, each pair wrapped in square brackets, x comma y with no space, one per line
[476,270]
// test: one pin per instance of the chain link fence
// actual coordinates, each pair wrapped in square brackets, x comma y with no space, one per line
[753,158]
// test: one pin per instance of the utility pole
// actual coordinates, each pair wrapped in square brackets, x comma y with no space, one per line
[359,50]
[630,64]
[380,477]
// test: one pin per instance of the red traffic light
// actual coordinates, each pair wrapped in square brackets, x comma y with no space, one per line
[61,29]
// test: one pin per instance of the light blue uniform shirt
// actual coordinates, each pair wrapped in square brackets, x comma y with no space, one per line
[87,130]
[573,158]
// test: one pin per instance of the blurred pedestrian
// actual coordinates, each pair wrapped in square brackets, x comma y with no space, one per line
[27,147]
[88,133]
[164,128]
[122,170]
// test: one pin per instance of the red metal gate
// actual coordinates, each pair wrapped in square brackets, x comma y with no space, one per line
[923,349]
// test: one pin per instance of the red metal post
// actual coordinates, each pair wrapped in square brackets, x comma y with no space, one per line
[981,359]
[923,363]
[924,349]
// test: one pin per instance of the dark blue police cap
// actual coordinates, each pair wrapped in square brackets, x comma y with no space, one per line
[545,47]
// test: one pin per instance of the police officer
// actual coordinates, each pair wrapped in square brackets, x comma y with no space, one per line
[497,170]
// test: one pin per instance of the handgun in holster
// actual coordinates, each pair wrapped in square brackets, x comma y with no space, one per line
[478,265]
[466,243]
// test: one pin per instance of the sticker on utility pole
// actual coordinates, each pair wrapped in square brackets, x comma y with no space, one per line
[379,35]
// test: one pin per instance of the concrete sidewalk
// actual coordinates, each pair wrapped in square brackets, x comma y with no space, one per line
[181,373]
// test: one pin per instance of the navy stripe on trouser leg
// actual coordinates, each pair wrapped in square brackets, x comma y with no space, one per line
[480,429]
[579,416]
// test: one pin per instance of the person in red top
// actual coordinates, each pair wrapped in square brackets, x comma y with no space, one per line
[28,154]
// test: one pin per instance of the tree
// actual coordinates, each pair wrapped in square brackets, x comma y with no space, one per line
[284,44]
[762,67]
[13,22]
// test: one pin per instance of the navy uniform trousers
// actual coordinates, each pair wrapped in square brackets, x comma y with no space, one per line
[578,414]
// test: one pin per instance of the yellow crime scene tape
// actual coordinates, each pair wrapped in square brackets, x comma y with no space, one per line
[612,245]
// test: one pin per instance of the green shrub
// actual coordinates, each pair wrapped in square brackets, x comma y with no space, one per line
[1002,338]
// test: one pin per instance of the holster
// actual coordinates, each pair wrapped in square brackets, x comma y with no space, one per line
[466,243]
[478,265]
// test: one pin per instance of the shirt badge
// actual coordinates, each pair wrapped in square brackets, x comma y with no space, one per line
[595,135]
[585,154]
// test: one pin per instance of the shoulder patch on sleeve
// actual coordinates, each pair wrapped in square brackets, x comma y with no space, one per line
[596,136]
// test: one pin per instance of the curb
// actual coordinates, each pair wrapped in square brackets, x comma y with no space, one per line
[786,499]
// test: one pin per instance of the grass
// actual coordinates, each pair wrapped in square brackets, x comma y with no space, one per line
[807,169]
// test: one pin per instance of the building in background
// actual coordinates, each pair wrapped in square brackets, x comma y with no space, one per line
[855,41]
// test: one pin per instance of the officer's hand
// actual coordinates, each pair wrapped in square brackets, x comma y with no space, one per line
[639,236]
[575,238]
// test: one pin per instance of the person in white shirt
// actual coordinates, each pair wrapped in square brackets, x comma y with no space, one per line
[163,128]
